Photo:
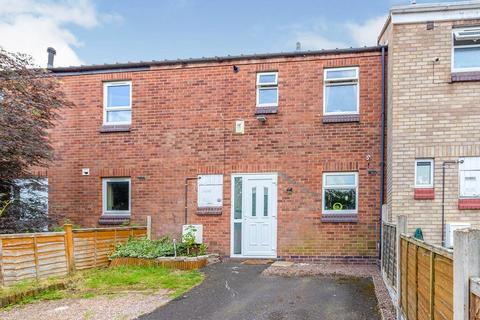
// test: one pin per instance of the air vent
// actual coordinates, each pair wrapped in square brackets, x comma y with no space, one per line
[467,34]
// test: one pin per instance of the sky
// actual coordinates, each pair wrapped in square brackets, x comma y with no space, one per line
[109,31]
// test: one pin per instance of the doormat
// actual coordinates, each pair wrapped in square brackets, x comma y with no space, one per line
[257,261]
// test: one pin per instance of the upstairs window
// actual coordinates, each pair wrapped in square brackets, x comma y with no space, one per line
[117,103]
[466,49]
[340,92]
[267,89]
[424,173]
[116,196]
[470,177]
[340,192]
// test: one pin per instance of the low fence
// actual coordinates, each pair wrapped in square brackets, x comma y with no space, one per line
[43,255]
[389,253]
[426,280]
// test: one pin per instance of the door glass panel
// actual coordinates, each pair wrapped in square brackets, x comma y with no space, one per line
[237,198]
[265,201]
[237,238]
[254,201]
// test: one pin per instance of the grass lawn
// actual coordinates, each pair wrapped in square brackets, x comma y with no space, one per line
[108,281]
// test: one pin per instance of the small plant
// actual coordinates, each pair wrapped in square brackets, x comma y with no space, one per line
[202,249]
[189,238]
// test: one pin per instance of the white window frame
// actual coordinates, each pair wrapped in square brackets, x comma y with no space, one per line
[456,31]
[324,187]
[266,86]
[432,177]
[106,108]
[340,81]
[104,196]
[460,170]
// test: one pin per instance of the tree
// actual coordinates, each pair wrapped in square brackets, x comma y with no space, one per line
[30,100]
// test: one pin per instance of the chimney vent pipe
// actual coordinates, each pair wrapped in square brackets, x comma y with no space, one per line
[51,56]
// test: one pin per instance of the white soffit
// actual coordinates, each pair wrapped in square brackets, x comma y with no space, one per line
[462,10]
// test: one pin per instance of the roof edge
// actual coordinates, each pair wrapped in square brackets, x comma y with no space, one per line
[439,6]
[145,65]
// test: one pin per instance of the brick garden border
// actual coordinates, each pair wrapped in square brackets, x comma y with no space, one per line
[18,296]
[182,263]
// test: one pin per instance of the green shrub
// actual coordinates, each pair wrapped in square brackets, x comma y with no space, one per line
[150,249]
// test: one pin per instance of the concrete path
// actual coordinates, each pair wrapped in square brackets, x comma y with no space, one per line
[234,291]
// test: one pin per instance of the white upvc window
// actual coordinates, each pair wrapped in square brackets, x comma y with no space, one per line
[424,173]
[117,103]
[267,89]
[469,175]
[210,190]
[116,195]
[466,49]
[341,93]
[340,192]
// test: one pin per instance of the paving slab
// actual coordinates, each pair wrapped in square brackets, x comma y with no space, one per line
[282,264]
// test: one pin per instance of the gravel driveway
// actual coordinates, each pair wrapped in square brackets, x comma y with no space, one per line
[234,291]
[117,307]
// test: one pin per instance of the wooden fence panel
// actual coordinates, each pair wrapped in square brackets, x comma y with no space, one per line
[423,283]
[92,247]
[44,255]
[443,298]
[32,256]
[403,273]
[426,274]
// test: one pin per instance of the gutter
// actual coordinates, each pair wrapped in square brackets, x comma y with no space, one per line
[382,152]
[130,66]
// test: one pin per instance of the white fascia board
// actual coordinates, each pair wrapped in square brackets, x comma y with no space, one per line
[438,12]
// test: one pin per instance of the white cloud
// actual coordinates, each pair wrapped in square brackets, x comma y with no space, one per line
[30,26]
[366,33]
[315,41]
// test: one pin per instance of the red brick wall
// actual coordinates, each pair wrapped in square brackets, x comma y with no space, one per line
[183,125]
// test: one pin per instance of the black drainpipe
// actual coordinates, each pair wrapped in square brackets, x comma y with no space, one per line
[382,153]
[186,197]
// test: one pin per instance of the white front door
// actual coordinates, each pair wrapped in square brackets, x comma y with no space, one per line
[254,215]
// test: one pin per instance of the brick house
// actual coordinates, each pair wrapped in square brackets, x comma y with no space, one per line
[266,164]
[433,115]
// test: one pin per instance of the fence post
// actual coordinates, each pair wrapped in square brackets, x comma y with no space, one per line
[466,264]
[401,228]
[68,228]
[35,256]
[149,227]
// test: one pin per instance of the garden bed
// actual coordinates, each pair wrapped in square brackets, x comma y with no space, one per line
[181,263]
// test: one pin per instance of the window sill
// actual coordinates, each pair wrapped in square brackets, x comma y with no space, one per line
[339,217]
[341,118]
[266,110]
[465,76]
[424,194]
[113,219]
[469,204]
[209,211]
[115,128]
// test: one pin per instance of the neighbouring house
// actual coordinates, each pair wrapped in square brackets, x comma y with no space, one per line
[275,155]
[433,141]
